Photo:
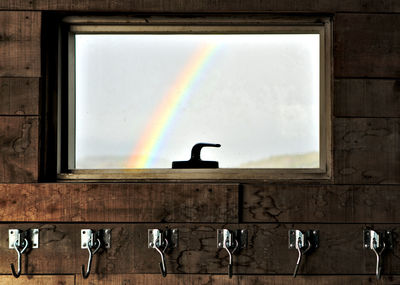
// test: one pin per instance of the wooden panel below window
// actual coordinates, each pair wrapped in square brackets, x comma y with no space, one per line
[119,202]
[366,45]
[19,149]
[320,203]
[341,250]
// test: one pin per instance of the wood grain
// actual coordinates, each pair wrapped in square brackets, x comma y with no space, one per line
[205,6]
[341,250]
[120,202]
[176,279]
[20,44]
[316,203]
[38,280]
[19,149]
[367,98]
[366,45]
[19,96]
[366,151]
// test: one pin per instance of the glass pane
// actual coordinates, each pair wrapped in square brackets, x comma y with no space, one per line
[143,101]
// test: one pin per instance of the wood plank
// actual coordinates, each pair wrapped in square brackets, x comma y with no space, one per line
[20,44]
[19,96]
[366,151]
[366,45]
[120,202]
[145,279]
[196,279]
[341,250]
[19,149]
[38,280]
[206,6]
[367,98]
[20,26]
[316,203]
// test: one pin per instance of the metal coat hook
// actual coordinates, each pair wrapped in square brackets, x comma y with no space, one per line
[24,243]
[21,241]
[161,241]
[378,242]
[232,242]
[93,241]
[303,243]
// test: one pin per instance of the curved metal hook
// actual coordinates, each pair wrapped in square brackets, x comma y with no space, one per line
[17,274]
[87,273]
[230,271]
[300,255]
[378,268]
[163,267]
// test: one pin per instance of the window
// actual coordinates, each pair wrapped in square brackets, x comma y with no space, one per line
[142,93]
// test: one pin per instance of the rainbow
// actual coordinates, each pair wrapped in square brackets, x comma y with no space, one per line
[151,140]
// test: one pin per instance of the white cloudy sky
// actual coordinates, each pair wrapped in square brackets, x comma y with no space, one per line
[258,96]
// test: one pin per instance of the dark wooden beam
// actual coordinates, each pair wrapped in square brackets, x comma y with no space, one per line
[160,6]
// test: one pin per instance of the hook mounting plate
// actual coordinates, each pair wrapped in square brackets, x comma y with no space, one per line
[88,235]
[311,235]
[15,236]
[230,236]
[380,237]
[156,238]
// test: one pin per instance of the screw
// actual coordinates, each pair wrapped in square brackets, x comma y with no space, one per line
[366,245]
[291,245]
[36,231]
[220,244]
[151,244]
[11,232]
[314,232]
[84,244]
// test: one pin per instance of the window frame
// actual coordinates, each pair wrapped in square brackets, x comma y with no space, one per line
[203,24]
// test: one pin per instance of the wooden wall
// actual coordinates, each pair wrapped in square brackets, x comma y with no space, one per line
[365,191]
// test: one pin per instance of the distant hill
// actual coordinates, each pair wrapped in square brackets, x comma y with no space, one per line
[305,160]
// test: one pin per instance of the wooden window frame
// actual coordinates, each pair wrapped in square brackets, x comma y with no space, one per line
[202,24]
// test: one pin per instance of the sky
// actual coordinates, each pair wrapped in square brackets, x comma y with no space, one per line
[143,101]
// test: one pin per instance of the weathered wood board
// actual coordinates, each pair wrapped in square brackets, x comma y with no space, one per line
[20,44]
[183,279]
[19,96]
[367,98]
[366,150]
[366,45]
[19,149]
[320,203]
[196,6]
[119,202]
